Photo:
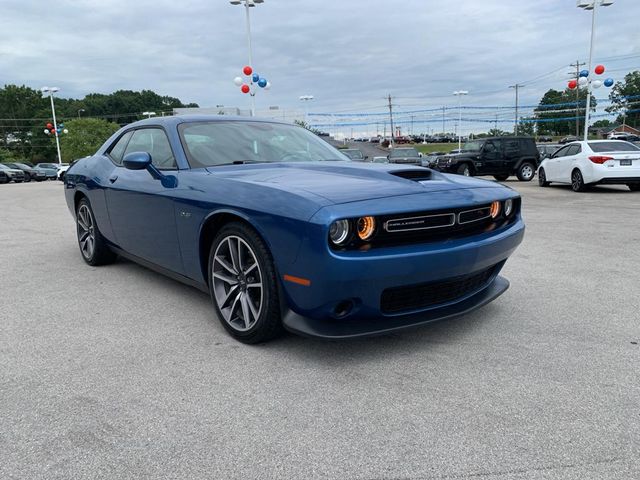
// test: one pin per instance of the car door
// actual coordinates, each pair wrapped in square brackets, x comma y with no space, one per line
[141,208]
[511,154]
[552,164]
[491,157]
[565,164]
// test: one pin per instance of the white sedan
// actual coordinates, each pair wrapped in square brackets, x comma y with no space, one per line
[596,162]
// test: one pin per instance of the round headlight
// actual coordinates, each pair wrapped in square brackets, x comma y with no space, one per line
[339,231]
[366,227]
[495,209]
[508,207]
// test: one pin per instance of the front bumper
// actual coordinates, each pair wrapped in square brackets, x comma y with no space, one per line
[360,279]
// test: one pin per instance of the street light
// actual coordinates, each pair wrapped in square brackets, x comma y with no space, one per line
[593,6]
[459,94]
[51,91]
[149,114]
[306,99]
[247,4]
[81,110]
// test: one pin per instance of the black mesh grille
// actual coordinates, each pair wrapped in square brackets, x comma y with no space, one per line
[412,297]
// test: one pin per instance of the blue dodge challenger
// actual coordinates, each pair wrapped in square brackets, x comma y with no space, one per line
[284,231]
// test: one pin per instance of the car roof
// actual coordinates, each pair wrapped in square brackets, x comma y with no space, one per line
[178,119]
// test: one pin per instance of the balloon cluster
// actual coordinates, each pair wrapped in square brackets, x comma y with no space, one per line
[51,130]
[583,79]
[254,79]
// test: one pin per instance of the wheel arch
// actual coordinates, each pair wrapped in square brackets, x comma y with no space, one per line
[536,164]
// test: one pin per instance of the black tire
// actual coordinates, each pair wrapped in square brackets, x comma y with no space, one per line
[526,171]
[61,177]
[542,178]
[501,178]
[577,181]
[238,318]
[17,181]
[100,253]
[27,177]
[463,169]
[634,187]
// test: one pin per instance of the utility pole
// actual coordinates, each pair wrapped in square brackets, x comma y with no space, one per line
[516,87]
[411,124]
[495,123]
[391,119]
[443,110]
[577,65]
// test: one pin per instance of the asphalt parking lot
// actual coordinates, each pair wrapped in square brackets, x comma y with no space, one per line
[119,372]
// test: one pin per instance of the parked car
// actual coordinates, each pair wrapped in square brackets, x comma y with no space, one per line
[547,150]
[62,170]
[628,137]
[11,174]
[596,162]
[354,154]
[380,159]
[285,231]
[405,155]
[545,138]
[498,156]
[430,160]
[50,169]
[30,173]
[568,139]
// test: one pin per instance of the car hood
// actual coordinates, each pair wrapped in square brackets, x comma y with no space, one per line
[12,170]
[342,182]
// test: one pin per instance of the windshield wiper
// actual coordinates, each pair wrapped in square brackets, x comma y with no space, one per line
[239,162]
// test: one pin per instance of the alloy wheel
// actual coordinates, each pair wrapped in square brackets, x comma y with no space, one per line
[527,172]
[86,232]
[237,283]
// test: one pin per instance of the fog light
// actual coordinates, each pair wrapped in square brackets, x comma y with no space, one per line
[508,207]
[339,231]
[495,209]
[366,227]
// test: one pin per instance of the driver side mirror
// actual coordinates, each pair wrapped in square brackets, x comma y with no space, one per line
[136,160]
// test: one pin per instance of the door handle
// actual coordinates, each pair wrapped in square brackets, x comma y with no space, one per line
[113,178]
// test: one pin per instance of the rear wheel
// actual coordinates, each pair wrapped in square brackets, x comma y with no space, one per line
[526,172]
[464,170]
[577,182]
[501,178]
[634,187]
[93,247]
[27,177]
[542,178]
[244,285]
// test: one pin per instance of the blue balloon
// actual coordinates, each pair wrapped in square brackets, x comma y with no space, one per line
[255,78]
[608,82]
[584,73]
[262,82]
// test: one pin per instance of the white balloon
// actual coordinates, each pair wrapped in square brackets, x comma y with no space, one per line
[238,81]
[582,81]
[65,131]
[596,83]
[267,86]
[46,131]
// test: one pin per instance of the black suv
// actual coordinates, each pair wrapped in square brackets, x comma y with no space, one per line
[499,156]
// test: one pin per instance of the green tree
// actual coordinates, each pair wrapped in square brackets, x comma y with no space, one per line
[560,119]
[602,124]
[624,97]
[85,136]
[526,128]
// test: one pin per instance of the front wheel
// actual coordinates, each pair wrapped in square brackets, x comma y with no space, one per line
[93,247]
[526,172]
[244,285]
[464,170]
[577,182]
[542,178]
[27,177]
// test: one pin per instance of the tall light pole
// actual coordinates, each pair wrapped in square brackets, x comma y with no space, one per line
[51,91]
[593,6]
[81,110]
[248,4]
[306,99]
[517,86]
[149,114]
[459,94]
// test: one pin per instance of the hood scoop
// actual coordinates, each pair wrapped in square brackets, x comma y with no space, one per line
[415,175]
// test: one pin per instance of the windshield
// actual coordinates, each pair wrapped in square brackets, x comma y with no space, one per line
[404,152]
[615,146]
[208,144]
[353,153]
[474,146]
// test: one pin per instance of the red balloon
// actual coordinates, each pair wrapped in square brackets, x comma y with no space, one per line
[599,69]
[573,84]
[245,88]
[49,126]
[247,70]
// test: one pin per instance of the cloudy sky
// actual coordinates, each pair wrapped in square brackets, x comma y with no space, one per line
[349,54]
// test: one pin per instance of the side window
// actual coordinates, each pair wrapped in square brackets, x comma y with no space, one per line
[573,150]
[490,147]
[560,153]
[155,142]
[117,150]
[511,148]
